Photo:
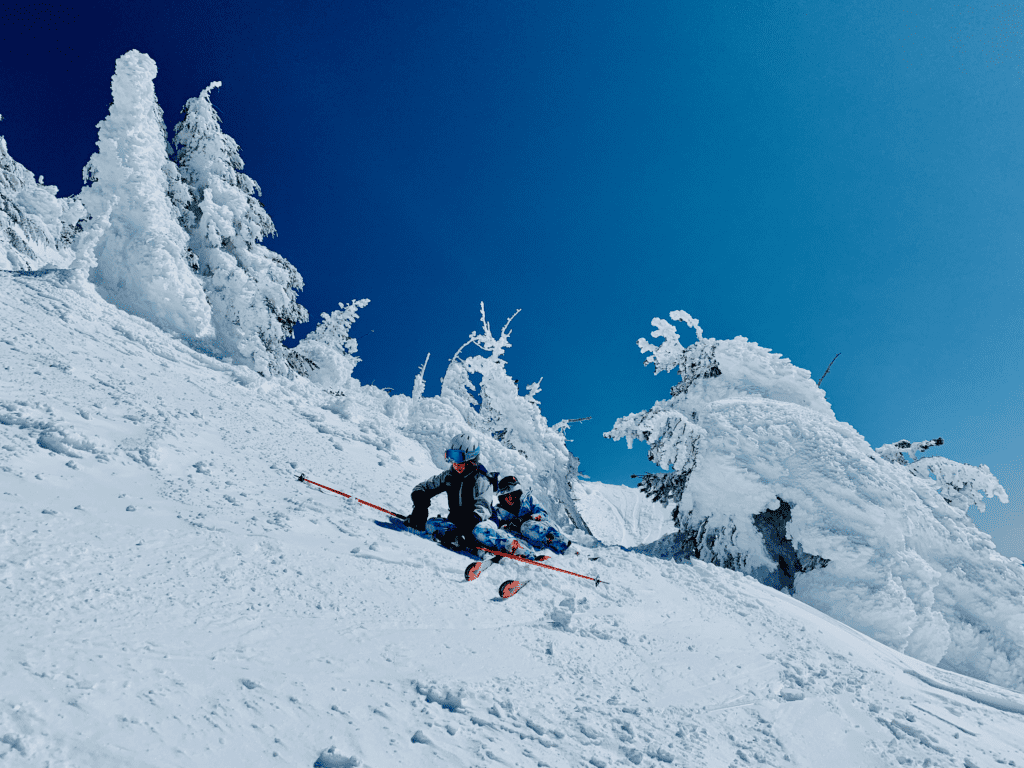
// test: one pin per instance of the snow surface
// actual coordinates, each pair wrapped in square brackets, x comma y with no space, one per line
[170,595]
[620,515]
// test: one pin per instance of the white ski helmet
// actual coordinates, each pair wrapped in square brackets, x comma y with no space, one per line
[463,448]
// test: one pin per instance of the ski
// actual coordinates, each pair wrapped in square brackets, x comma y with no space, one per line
[473,570]
[544,565]
[510,587]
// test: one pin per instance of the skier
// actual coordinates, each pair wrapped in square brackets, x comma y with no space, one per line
[469,491]
[518,513]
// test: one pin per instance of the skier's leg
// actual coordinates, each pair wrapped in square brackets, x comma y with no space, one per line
[542,534]
[437,527]
[493,537]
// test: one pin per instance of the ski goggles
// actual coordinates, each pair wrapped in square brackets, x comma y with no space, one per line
[509,485]
[459,457]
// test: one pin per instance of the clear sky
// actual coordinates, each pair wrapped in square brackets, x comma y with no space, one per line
[817,177]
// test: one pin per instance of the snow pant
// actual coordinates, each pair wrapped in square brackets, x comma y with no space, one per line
[541,534]
[486,533]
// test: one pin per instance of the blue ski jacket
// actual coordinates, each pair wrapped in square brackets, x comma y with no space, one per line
[529,509]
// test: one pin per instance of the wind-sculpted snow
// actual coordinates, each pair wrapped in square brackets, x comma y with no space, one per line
[872,542]
[205,608]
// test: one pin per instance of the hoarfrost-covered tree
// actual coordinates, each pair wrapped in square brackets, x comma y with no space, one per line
[514,421]
[252,290]
[762,478]
[137,246]
[32,235]
[327,356]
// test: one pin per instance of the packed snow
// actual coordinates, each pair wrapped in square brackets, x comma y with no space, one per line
[172,595]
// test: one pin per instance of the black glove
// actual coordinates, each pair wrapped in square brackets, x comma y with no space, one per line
[418,518]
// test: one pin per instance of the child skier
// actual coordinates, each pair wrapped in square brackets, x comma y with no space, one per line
[518,513]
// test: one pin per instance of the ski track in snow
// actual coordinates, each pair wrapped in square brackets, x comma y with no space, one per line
[171,596]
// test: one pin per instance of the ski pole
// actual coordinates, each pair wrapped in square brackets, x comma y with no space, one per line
[304,479]
[542,565]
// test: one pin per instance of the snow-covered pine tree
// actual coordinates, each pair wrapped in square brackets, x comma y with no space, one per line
[327,356]
[32,235]
[534,451]
[136,241]
[762,478]
[252,290]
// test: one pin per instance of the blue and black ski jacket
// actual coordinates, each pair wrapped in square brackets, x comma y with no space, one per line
[469,495]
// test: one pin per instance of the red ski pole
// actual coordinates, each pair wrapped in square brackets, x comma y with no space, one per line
[304,479]
[541,565]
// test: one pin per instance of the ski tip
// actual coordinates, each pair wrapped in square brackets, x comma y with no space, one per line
[473,570]
[509,588]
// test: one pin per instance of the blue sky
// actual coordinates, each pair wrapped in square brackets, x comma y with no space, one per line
[819,178]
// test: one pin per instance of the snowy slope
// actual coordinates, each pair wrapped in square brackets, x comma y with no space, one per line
[623,515]
[171,596]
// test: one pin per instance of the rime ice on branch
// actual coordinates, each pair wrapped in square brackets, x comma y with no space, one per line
[327,356]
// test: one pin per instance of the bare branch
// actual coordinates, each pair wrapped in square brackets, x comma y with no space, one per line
[828,369]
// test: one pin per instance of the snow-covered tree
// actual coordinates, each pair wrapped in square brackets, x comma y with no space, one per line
[327,356]
[762,478]
[32,235]
[534,451]
[134,201]
[252,290]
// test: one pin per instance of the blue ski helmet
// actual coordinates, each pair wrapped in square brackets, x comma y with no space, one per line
[462,448]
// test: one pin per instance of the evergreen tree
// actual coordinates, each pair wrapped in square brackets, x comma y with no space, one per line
[32,235]
[252,290]
[137,247]
[327,356]
[515,421]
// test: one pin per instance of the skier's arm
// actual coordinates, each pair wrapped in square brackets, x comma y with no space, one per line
[428,489]
[482,498]
[531,510]
[421,496]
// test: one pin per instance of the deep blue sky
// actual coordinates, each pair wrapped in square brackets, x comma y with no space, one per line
[817,177]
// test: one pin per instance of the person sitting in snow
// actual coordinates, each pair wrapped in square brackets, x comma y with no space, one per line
[469,488]
[519,514]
